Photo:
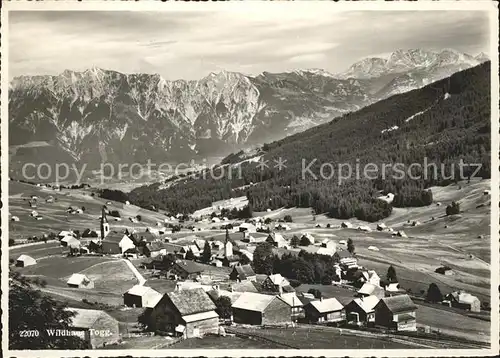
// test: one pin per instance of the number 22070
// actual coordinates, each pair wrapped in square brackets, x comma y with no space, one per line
[29,333]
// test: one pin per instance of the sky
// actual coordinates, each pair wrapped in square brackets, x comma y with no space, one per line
[191,44]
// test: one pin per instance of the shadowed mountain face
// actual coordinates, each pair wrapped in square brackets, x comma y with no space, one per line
[443,124]
[102,115]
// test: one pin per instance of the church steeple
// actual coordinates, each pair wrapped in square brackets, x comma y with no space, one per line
[104,223]
[228,246]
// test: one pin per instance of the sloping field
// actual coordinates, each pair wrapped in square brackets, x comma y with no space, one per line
[55,217]
[454,324]
[460,241]
[112,276]
[39,250]
[61,267]
[111,279]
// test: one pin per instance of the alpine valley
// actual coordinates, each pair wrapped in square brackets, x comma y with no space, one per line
[99,114]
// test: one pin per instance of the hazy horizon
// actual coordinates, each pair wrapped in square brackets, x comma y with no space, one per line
[190,45]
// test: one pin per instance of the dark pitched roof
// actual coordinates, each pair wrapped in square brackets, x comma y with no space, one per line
[358,274]
[244,271]
[109,244]
[172,247]
[400,303]
[326,305]
[90,233]
[233,258]
[343,254]
[245,286]
[146,235]
[155,246]
[191,301]
[114,236]
[188,266]
[305,298]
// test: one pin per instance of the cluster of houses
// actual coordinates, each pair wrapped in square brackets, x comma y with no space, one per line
[191,310]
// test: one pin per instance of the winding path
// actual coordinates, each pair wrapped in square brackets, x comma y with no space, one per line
[136,272]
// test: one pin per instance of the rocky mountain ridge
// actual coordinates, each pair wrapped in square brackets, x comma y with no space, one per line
[103,115]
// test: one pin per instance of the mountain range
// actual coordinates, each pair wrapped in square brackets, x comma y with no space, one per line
[442,124]
[103,115]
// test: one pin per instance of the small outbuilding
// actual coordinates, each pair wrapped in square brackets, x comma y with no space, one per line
[364,228]
[346,225]
[141,296]
[401,233]
[381,227]
[25,260]
[78,280]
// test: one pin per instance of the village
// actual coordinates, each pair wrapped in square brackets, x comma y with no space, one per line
[195,276]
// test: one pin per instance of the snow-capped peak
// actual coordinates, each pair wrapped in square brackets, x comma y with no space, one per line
[314,71]
[482,57]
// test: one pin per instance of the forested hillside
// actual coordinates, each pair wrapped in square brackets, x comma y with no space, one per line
[445,122]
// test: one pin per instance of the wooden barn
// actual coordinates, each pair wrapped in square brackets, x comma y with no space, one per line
[188,313]
[396,312]
[86,323]
[259,309]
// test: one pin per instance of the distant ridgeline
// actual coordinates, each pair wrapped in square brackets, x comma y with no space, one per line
[445,122]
